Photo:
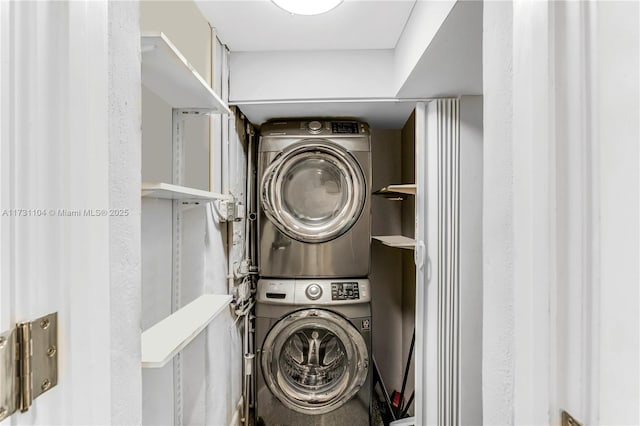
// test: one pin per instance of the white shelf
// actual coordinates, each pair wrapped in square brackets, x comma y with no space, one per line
[164,340]
[166,72]
[406,188]
[397,192]
[174,192]
[398,241]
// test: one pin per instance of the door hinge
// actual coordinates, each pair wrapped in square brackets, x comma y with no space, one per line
[28,363]
[568,420]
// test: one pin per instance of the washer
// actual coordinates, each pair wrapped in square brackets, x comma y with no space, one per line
[314,211]
[314,352]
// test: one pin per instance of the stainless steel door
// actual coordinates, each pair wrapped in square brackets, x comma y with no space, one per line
[314,361]
[313,192]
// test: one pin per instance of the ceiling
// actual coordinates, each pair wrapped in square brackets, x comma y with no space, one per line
[260,25]
[365,59]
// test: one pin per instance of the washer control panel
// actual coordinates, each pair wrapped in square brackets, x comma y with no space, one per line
[345,291]
[319,291]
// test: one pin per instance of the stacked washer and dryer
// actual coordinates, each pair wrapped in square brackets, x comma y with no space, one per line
[313,307]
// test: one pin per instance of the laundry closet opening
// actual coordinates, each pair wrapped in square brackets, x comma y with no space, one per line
[341,327]
[293,222]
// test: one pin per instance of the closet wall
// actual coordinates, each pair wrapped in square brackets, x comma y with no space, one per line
[203,385]
[408,205]
[386,262]
[392,270]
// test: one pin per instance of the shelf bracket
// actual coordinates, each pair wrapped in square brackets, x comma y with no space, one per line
[195,112]
[28,363]
[229,210]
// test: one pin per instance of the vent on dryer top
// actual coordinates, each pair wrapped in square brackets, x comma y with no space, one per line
[344,127]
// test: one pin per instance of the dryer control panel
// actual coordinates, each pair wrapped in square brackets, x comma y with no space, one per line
[321,127]
[349,127]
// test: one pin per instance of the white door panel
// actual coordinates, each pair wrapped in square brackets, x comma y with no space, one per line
[58,184]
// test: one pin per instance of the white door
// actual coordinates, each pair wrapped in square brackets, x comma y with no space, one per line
[448,256]
[70,206]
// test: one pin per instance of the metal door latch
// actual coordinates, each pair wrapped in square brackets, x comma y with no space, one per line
[28,363]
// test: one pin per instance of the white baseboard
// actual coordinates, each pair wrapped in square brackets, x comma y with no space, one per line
[236,420]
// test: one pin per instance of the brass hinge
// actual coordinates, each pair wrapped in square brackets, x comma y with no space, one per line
[568,420]
[28,363]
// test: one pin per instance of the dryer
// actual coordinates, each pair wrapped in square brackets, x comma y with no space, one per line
[313,342]
[314,179]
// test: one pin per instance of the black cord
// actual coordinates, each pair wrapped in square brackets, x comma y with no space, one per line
[406,408]
[406,370]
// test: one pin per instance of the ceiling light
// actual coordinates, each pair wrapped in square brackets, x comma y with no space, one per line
[307,7]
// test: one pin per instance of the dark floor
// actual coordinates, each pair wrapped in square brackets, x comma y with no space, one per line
[376,417]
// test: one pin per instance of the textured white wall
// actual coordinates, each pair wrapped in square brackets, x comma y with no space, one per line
[124,192]
[561,324]
[497,247]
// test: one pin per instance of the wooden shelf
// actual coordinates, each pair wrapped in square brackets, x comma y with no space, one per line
[174,192]
[166,72]
[398,241]
[397,192]
[164,340]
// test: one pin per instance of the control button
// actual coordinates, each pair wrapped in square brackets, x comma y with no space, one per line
[314,291]
[315,126]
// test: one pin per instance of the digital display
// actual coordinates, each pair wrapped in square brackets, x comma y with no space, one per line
[344,127]
[345,291]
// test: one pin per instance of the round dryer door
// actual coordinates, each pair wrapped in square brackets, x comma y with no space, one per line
[314,361]
[314,193]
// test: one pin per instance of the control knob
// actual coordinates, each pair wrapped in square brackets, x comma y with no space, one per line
[314,291]
[315,126]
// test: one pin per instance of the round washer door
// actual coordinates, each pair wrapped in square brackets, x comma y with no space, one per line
[314,192]
[314,361]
